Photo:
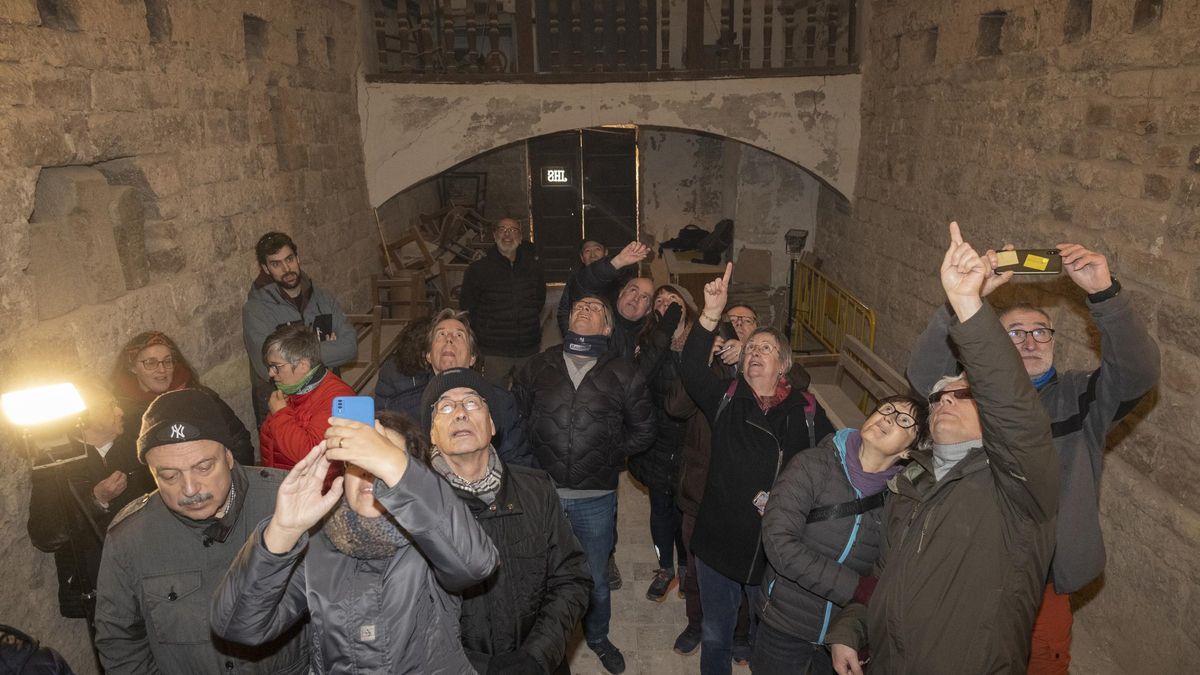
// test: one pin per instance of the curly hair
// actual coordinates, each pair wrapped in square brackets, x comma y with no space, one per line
[414,437]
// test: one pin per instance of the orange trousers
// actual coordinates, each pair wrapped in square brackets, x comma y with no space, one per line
[1051,645]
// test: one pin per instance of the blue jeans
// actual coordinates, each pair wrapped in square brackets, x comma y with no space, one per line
[594,520]
[777,653]
[720,597]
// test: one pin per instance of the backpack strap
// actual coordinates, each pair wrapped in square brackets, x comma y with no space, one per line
[845,509]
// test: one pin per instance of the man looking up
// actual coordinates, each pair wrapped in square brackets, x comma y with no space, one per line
[167,552]
[303,398]
[519,619]
[632,298]
[590,251]
[284,294]
[587,410]
[969,527]
[504,292]
[1083,405]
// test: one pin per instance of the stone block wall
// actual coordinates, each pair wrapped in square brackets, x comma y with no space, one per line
[1038,122]
[144,148]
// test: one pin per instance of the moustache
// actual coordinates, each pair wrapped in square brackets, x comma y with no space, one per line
[195,499]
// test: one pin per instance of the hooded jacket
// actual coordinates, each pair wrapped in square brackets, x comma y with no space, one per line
[379,616]
[158,577]
[748,451]
[814,568]
[539,592]
[505,298]
[963,563]
[581,437]
[268,307]
[1084,406]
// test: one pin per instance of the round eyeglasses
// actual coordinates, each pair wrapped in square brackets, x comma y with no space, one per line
[903,419]
[154,364]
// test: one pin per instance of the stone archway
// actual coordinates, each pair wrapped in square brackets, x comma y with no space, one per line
[413,131]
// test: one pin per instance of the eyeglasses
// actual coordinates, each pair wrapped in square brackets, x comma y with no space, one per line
[508,230]
[590,306]
[935,399]
[446,406]
[154,364]
[764,348]
[1042,335]
[903,419]
[743,320]
[273,368]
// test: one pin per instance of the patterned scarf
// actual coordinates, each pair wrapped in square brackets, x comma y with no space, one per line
[782,389]
[485,488]
[361,537]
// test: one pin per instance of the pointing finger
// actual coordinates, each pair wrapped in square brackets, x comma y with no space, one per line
[955,234]
[728,273]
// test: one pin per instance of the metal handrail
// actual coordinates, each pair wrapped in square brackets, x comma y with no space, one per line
[827,311]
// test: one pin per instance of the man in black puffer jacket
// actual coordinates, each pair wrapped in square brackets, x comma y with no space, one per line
[504,294]
[587,410]
[519,619]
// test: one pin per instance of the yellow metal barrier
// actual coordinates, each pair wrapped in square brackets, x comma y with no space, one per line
[827,310]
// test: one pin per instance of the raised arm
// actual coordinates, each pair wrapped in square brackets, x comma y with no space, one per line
[262,594]
[1016,429]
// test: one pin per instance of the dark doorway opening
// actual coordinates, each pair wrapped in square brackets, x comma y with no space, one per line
[583,185]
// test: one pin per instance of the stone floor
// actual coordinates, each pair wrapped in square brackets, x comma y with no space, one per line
[644,631]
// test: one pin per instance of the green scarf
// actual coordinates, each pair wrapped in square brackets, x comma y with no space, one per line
[293,389]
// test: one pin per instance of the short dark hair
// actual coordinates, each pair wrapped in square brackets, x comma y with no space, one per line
[415,438]
[583,244]
[270,244]
[920,413]
[294,341]
[413,342]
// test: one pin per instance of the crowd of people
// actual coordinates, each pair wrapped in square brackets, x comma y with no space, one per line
[472,527]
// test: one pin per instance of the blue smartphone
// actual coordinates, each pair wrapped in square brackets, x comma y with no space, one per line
[357,408]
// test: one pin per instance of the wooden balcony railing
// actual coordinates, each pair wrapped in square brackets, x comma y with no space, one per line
[610,40]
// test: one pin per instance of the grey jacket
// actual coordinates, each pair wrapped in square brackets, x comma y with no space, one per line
[157,577]
[266,309]
[376,616]
[1083,407]
[813,568]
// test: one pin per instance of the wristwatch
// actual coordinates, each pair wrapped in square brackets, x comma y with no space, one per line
[1106,294]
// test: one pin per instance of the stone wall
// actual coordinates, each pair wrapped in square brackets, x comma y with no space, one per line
[697,178]
[413,131]
[1035,123]
[144,148]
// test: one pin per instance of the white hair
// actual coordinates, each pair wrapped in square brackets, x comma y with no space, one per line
[947,381]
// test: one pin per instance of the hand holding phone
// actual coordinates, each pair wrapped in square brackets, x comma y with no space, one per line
[357,408]
[1028,261]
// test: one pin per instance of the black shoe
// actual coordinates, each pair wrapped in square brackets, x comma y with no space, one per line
[689,640]
[663,579]
[741,651]
[610,657]
[614,574]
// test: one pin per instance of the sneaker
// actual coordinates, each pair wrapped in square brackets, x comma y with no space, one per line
[659,586]
[610,657]
[689,640]
[742,651]
[614,574]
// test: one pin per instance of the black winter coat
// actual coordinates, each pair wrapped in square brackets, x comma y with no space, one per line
[538,594]
[805,585]
[73,528]
[582,437]
[504,299]
[658,467]
[399,391]
[749,449]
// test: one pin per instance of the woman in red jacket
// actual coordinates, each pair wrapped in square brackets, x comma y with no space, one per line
[303,398]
